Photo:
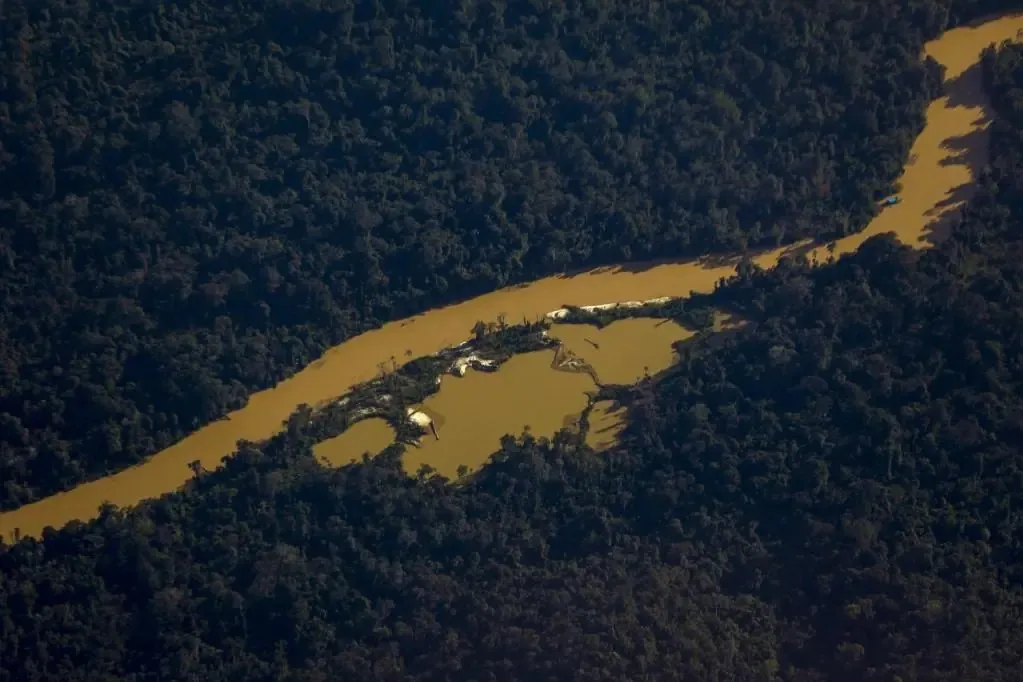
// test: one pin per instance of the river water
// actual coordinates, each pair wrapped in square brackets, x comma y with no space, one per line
[944,162]
[471,413]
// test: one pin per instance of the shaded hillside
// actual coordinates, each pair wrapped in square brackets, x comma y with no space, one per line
[831,494]
[197,198]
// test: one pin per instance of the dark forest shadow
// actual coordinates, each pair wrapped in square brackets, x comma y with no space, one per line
[800,249]
[967,89]
[707,262]
[970,151]
[633,267]
[946,214]
[731,260]
[617,413]
[712,261]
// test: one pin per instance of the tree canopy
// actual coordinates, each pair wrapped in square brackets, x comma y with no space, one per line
[198,198]
[830,493]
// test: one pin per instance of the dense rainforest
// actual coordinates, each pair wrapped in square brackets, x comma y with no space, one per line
[831,493]
[197,198]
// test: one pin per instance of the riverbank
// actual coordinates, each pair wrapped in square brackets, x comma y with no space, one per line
[944,162]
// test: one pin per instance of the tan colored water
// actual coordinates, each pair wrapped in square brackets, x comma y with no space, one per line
[368,435]
[607,419]
[473,412]
[944,162]
[621,353]
[479,408]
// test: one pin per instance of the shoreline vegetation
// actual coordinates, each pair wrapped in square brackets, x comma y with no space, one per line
[392,395]
[825,487]
[188,226]
[931,204]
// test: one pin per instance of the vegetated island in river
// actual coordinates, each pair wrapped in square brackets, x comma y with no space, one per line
[944,162]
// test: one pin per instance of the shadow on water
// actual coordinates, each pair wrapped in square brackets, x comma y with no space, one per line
[963,148]
[707,262]
[946,214]
[970,151]
[607,424]
[988,18]
[715,261]
[633,267]
[967,89]
[800,249]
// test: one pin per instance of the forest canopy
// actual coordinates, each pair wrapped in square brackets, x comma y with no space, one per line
[197,198]
[830,493]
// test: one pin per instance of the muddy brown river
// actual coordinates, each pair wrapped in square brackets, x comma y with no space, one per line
[471,413]
[477,409]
